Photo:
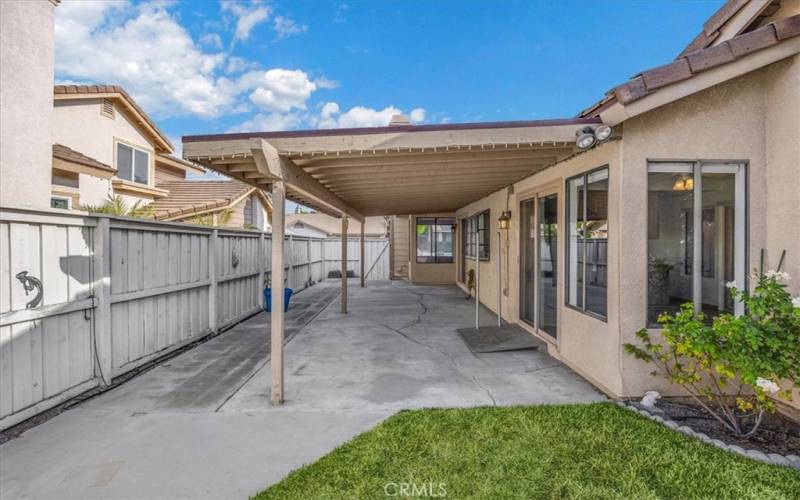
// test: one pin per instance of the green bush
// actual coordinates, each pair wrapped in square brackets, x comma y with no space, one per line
[731,366]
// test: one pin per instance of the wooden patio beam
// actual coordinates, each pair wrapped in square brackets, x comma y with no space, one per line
[271,163]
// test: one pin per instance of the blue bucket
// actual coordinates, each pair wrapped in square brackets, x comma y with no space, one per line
[287,294]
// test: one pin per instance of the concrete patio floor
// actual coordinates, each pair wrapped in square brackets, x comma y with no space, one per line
[201,425]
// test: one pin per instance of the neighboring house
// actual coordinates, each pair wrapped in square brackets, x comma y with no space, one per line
[319,225]
[219,203]
[104,125]
[105,145]
[585,229]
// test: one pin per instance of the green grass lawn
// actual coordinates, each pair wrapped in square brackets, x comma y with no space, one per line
[574,451]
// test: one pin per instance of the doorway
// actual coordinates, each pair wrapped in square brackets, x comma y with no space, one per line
[539,256]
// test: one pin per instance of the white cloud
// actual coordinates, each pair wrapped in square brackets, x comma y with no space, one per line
[239,64]
[286,27]
[279,90]
[269,122]
[325,83]
[145,50]
[361,116]
[213,40]
[417,115]
[247,16]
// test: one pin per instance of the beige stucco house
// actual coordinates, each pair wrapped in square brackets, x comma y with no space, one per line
[675,183]
[106,145]
[319,225]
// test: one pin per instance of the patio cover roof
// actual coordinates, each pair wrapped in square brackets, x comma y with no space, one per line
[400,169]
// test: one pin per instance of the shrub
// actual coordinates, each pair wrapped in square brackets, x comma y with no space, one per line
[115,205]
[731,366]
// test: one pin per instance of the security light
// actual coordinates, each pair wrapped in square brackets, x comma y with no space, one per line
[504,219]
[585,138]
[602,132]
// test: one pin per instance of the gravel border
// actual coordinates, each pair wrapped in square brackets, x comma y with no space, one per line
[791,461]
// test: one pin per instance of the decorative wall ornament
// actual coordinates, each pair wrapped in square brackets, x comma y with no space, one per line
[29,283]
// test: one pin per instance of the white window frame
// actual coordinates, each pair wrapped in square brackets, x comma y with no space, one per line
[696,168]
[134,148]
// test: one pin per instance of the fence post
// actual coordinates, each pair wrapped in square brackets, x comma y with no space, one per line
[261,250]
[290,258]
[212,274]
[308,260]
[102,295]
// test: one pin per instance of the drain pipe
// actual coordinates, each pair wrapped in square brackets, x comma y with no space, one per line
[477,277]
[499,281]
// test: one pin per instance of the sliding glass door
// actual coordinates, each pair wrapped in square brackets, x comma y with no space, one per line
[547,264]
[539,255]
[528,257]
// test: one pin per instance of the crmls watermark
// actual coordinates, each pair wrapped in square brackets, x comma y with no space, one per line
[426,490]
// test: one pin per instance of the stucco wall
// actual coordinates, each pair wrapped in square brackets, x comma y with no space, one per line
[400,245]
[753,118]
[94,190]
[26,103]
[585,343]
[80,125]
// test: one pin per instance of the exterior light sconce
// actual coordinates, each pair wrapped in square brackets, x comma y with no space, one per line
[587,137]
[504,219]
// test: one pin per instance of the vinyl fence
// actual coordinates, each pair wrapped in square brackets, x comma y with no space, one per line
[84,299]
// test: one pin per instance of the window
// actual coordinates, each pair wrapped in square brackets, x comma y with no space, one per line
[59,202]
[689,203]
[477,226]
[587,242]
[435,240]
[133,164]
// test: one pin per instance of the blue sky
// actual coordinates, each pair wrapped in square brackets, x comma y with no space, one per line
[211,67]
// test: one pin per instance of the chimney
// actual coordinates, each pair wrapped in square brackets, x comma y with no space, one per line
[399,120]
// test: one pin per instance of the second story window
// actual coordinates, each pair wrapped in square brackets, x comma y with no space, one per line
[133,164]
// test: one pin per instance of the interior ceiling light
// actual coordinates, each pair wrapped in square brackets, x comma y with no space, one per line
[585,138]
[602,132]
[683,183]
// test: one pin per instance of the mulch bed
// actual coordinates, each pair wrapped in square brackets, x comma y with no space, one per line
[776,434]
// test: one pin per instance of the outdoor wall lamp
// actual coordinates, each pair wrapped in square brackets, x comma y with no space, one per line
[588,136]
[504,219]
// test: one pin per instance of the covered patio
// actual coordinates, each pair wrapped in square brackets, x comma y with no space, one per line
[382,171]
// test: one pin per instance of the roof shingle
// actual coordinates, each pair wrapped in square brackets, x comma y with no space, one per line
[70,155]
[189,197]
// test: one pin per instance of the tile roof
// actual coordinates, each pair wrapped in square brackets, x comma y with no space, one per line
[189,197]
[712,28]
[111,89]
[69,154]
[690,64]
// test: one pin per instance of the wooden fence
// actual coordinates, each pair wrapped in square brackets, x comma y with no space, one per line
[84,299]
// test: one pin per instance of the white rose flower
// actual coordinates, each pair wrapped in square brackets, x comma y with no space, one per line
[767,385]
[778,275]
[730,284]
[796,302]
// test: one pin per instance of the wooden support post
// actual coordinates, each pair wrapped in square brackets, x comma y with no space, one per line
[213,248]
[276,318]
[344,264]
[363,255]
[102,296]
